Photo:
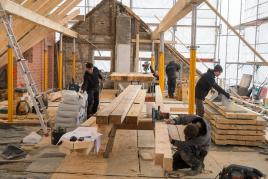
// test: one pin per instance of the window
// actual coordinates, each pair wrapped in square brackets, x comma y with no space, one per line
[144,57]
[102,60]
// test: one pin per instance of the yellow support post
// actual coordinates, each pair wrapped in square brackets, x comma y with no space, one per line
[74,61]
[152,57]
[60,64]
[191,109]
[161,65]
[192,81]
[45,66]
[10,84]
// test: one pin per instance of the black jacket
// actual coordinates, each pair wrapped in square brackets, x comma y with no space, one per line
[205,83]
[171,69]
[91,81]
[203,140]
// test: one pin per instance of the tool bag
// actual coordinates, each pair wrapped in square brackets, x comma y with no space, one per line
[238,171]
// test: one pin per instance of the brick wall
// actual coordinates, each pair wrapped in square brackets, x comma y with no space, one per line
[36,66]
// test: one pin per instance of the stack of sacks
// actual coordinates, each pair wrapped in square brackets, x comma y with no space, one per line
[72,110]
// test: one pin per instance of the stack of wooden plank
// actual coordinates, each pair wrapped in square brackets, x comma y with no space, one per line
[115,76]
[125,108]
[234,126]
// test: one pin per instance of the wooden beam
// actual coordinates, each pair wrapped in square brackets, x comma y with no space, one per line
[149,41]
[136,108]
[20,26]
[163,153]
[71,16]
[119,114]
[37,33]
[236,33]
[32,16]
[177,12]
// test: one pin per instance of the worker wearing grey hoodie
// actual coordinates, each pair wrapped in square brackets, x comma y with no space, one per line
[191,152]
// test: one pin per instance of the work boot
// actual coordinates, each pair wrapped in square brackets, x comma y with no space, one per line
[196,171]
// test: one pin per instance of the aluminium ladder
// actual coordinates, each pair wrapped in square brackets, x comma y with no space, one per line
[36,97]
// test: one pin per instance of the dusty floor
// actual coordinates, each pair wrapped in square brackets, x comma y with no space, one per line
[44,160]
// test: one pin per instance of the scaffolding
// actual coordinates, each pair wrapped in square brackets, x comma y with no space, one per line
[217,44]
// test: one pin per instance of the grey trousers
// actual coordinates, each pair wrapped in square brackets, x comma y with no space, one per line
[199,106]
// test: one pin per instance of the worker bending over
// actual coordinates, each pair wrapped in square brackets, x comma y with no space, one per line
[204,85]
[92,87]
[191,152]
[171,70]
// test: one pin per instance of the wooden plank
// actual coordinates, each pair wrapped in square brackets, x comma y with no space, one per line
[132,76]
[219,119]
[103,114]
[136,108]
[173,132]
[145,138]
[236,142]
[238,127]
[163,154]
[30,34]
[237,132]
[89,122]
[27,14]
[159,99]
[145,124]
[120,112]
[133,114]
[140,98]
[177,12]
[246,114]
[237,137]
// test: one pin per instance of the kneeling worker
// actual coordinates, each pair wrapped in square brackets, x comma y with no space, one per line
[191,152]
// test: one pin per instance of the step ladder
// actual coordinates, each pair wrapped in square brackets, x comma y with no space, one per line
[36,97]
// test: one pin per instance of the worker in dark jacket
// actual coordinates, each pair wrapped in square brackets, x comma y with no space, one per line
[91,86]
[171,69]
[191,152]
[204,85]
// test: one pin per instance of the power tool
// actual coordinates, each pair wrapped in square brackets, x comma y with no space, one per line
[238,171]
[157,115]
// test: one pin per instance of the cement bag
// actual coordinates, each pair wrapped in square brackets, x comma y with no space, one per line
[67,114]
[64,125]
[65,120]
[83,99]
[32,138]
[70,97]
[69,107]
